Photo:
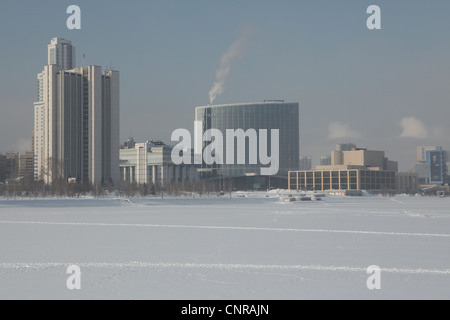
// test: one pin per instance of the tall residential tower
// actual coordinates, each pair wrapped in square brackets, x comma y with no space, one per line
[62,53]
[76,122]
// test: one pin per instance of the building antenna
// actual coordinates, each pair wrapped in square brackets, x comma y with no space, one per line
[84,59]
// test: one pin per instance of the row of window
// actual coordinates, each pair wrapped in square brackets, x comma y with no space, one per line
[326,187]
[342,180]
[345,173]
[342,186]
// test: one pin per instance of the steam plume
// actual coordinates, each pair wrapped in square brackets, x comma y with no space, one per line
[235,50]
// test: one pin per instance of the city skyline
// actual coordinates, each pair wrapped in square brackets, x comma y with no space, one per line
[385,89]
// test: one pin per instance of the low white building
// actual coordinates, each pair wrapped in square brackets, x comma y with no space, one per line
[151,162]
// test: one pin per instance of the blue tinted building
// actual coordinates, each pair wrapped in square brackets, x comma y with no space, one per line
[268,115]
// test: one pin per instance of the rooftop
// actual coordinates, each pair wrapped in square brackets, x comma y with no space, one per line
[245,104]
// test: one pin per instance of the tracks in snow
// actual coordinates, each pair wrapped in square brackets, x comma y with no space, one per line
[217,266]
[363,232]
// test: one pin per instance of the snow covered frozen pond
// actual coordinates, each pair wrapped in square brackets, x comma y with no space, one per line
[253,247]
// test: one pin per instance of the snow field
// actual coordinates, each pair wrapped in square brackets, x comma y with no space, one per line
[252,247]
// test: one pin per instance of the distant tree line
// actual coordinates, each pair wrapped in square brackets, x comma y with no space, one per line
[29,188]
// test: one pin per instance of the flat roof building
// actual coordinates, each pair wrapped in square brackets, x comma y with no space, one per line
[343,179]
[151,163]
[351,168]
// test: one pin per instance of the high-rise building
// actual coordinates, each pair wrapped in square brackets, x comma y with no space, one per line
[431,166]
[76,122]
[267,115]
[305,163]
[38,140]
[61,52]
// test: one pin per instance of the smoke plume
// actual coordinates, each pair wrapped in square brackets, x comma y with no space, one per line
[235,50]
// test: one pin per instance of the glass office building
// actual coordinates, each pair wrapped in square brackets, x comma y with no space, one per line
[263,115]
